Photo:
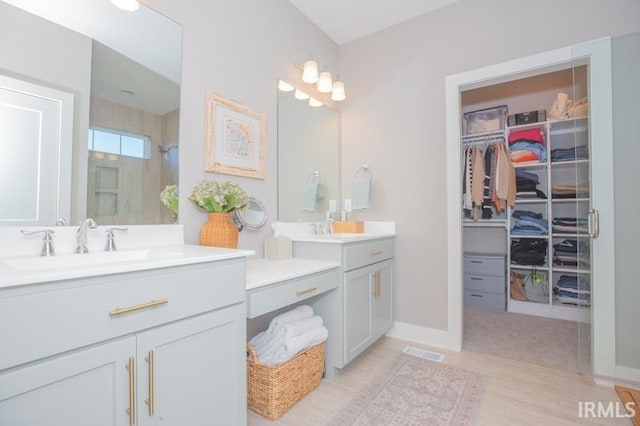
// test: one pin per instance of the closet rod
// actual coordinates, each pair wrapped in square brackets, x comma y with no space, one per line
[484,141]
[493,133]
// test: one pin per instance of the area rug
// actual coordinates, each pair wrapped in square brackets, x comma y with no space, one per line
[415,391]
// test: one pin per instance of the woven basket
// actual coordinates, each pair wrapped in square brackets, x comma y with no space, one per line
[272,390]
[219,231]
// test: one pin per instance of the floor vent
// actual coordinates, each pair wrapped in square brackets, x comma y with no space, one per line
[421,353]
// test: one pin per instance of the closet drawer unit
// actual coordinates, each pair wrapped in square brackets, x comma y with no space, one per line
[484,265]
[365,253]
[484,300]
[485,283]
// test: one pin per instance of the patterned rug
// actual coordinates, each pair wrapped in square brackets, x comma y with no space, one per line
[415,391]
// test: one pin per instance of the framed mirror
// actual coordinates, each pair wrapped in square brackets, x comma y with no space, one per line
[122,72]
[254,216]
[308,158]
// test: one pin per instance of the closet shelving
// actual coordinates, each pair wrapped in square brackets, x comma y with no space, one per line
[483,140]
[562,134]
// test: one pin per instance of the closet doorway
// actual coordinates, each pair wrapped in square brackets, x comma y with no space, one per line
[555,265]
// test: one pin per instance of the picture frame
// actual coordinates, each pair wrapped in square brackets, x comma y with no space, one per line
[235,138]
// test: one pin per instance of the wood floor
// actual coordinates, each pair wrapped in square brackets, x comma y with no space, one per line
[517,393]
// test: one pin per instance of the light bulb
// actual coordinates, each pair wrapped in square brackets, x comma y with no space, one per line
[283,86]
[337,94]
[128,5]
[324,83]
[300,95]
[314,102]
[310,71]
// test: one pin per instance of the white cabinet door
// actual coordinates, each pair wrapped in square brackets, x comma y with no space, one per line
[89,387]
[383,299]
[358,288]
[193,372]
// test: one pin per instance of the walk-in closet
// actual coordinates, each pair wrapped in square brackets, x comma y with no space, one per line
[526,218]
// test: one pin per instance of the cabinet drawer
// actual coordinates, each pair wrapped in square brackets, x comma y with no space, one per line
[365,253]
[485,265]
[486,283]
[484,300]
[267,299]
[82,312]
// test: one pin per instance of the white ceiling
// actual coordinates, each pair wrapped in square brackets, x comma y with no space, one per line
[346,20]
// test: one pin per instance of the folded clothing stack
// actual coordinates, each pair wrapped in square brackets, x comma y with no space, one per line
[527,145]
[529,252]
[570,225]
[570,154]
[288,334]
[573,290]
[571,252]
[570,191]
[529,223]
[527,185]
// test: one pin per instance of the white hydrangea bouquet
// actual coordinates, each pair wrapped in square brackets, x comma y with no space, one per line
[218,197]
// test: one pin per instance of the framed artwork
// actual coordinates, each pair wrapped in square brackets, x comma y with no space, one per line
[235,138]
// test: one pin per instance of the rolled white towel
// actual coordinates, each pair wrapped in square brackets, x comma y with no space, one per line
[286,331]
[290,347]
[297,313]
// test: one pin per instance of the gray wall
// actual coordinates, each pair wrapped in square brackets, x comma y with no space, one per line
[32,50]
[626,152]
[394,117]
[237,49]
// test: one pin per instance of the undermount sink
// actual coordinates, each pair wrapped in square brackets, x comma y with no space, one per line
[86,259]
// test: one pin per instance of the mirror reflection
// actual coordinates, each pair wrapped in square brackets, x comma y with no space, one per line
[308,159]
[122,71]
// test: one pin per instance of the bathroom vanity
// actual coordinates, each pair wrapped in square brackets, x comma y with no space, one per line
[360,310]
[155,336]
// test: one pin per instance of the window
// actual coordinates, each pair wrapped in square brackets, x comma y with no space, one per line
[120,143]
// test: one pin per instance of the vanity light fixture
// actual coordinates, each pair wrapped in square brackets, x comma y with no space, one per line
[338,94]
[325,85]
[310,71]
[128,5]
[314,102]
[300,95]
[283,86]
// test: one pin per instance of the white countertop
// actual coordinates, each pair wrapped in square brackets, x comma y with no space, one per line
[262,272]
[22,270]
[340,238]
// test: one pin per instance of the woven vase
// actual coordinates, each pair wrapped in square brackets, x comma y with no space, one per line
[219,231]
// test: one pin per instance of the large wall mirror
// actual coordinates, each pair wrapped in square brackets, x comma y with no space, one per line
[109,81]
[308,158]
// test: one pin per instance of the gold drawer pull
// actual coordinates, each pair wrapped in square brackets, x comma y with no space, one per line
[375,253]
[120,311]
[131,411]
[308,290]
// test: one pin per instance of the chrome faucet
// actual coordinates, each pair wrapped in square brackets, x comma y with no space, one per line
[328,223]
[81,235]
[47,248]
[111,243]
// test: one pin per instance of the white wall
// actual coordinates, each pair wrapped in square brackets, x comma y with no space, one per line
[394,118]
[237,49]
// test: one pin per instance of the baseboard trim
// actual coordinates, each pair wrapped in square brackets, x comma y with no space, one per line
[424,335]
[628,374]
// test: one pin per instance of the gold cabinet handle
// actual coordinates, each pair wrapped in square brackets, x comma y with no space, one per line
[149,401]
[120,311]
[376,252]
[305,291]
[378,281]
[131,411]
